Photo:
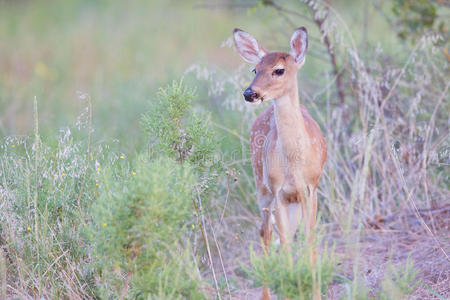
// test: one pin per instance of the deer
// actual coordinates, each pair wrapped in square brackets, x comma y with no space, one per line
[287,148]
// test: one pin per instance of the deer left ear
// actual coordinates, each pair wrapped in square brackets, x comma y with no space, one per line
[299,45]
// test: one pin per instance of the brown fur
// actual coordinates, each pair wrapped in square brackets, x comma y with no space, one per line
[262,127]
[288,150]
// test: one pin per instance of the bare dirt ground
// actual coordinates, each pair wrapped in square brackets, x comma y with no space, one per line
[390,241]
[381,243]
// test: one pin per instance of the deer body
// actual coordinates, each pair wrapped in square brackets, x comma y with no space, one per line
[288,150]
[293,140]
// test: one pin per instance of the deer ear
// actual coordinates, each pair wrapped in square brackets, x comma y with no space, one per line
[248,47]
[299,45]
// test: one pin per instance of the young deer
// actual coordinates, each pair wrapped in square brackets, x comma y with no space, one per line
[288,151]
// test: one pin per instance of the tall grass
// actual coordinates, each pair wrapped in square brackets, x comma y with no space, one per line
[46,191]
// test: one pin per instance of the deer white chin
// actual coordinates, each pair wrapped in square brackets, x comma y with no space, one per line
[257,101]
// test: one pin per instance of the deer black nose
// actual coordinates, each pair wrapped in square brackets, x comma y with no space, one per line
[250,95]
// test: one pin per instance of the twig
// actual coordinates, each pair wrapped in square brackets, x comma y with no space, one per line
[326,40]
[3,269]
[226,200]
[223,5]
[201,224]
[286,10]
[35,196]
[80,194]
[125,287]
[240,137]
[220,257]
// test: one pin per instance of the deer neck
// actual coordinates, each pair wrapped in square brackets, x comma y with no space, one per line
[292,135]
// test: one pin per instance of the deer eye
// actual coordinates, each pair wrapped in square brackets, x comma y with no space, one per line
[279,72]
[254,71]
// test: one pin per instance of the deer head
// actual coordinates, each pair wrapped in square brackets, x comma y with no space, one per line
[276,72]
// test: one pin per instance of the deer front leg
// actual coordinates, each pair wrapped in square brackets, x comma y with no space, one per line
[287,215]
[266,235]
[310,209]
[281,213]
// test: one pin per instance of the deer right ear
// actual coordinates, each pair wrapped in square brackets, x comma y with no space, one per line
[248,47]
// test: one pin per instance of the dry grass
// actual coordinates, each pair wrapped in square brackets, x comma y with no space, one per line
[391,241]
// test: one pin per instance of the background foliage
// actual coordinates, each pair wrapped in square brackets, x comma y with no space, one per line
[111,189]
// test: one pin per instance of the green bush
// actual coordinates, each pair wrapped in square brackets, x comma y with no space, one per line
[292,278]
[141,219]
[177,131]
[139,232]
[415,18]
[400,282]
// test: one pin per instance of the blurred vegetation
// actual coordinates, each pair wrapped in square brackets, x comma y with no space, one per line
[119,53]
[111,189]
[417,17]
[399,283]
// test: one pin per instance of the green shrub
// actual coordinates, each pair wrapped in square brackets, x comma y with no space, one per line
[176,131]
[139,232]
[400,282]
[141,220]
[415,18]
[292,278]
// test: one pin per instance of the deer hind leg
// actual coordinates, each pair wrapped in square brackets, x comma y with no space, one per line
[266,203]
[310,209]
[295,216]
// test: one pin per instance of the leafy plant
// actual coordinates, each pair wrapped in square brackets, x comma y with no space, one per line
[399,283]
[416,17]
[293,278]
[139,232]
[140,223]
[177,131]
